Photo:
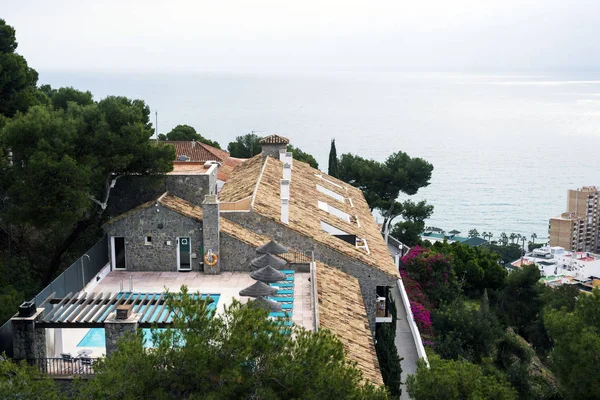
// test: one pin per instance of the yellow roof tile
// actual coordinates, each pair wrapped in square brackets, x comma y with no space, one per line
[342,311]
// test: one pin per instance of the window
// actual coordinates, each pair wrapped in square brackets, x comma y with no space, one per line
[330,193]
[332,229]
[333,211]
[328,181]
[148,240]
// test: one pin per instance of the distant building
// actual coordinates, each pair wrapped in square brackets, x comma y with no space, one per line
[578,229]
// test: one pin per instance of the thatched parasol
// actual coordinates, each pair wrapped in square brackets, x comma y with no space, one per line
[267,259]
[258,289]
[272,248]
[263,303]
[267,274]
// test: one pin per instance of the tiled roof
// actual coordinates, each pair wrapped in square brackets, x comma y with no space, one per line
[342,311]
[198,154]
[274,139]
[305,216]
[242,180]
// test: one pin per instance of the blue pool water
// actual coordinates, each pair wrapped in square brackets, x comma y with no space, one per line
[96,338]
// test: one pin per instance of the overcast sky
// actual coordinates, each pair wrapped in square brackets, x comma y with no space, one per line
[283,35]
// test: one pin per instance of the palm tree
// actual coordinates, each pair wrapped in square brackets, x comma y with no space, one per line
[533,237]
[503,239]
[484,234]
[490,235]
[512,238]
[473,233]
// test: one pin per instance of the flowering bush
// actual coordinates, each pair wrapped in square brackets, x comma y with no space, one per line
[433,271]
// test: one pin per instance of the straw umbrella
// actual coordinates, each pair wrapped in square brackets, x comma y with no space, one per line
[272,248]
[263,303]
[267,274]
[258,289]
[267,259]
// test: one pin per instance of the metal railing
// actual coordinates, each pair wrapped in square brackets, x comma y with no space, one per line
[73,279]
[65,366]
[298,257]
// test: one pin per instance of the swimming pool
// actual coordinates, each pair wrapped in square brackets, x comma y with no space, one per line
[96,337]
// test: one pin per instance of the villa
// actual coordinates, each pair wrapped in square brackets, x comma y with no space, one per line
[338,269]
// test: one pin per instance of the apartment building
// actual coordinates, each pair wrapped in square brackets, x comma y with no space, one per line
[578,229]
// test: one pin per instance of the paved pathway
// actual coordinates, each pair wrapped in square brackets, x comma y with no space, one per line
[404,342]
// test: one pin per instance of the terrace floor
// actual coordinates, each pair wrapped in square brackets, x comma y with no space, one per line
[227,285]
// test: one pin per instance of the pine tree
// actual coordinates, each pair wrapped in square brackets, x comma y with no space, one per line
[333,160]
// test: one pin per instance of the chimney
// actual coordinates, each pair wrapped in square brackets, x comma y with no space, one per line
[288,158]
[273,145]
[210,234]
[285,188]
[287,171]
[282,155]
[285,211]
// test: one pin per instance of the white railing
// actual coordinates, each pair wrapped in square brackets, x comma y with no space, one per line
[313,279]
[414,329]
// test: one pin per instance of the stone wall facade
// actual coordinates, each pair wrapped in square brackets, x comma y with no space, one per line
[191,188]
[115,329]
[164,227]
[29,342]
[235,255]
[211,234]
[272,150]
[368,277]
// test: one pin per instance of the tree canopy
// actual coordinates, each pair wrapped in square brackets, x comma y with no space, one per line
[576,336]
[64,162]
[382,182]
[187,133]
[454,380]
[21,381]
[246,146]
[17,80]
[332,167]
[239,353]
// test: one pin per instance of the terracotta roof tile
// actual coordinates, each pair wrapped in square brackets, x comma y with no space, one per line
[196,151]
[341,310]
[274,139]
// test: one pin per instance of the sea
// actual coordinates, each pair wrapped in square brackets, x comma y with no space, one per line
[505,147]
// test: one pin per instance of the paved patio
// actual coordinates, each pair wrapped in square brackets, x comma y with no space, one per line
[226,284]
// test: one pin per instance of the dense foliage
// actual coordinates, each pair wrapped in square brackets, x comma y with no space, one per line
[454,380]
[17,80]
[23,382]
[187,133]
[575,332]
[387,355]
[238,354]
[470,311]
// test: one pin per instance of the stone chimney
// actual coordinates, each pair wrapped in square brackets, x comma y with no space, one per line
[273,145]
[210,233]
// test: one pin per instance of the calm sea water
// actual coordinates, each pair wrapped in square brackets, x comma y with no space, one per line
[505,147]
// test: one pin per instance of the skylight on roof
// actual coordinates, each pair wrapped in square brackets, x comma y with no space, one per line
[332,230]
[328,181]
[330,193]
[333,211]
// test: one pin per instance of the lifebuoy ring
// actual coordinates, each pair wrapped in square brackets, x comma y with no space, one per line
[211,258]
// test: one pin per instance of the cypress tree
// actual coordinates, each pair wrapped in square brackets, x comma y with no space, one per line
[333,160]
